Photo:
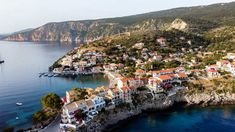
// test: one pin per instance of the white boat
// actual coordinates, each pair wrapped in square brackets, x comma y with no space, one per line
[17,118]
[19,104]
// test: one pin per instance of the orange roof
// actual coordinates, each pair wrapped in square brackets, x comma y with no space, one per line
[167,70]
[157,81]
[165,77]
[125,88]
[164,71]
[155,72]
[182,75]
[115,90]
[132,88]
[127,79]
[139,71]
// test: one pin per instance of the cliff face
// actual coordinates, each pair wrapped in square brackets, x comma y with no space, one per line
[78,32]
[69,32]
[88,31]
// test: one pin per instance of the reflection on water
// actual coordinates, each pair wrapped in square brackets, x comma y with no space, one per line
[20,82]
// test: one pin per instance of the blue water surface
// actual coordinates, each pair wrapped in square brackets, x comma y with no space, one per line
[20,82]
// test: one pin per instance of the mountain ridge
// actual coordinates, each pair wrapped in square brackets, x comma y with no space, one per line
[198,19]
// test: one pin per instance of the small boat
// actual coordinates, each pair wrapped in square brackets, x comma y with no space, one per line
[1,61]
[19,104]
[17,118]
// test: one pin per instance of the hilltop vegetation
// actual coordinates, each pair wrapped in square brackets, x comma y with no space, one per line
[222,38]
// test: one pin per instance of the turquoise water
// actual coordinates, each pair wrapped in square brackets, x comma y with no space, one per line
[20,82]
[217,119]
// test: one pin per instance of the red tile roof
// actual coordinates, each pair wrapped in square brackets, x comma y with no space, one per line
[165,77]
[125,89]
[182,75]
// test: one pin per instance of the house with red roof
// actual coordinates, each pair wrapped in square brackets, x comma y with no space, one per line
[130,82]
[117,95]
[165,78]
[212,73]
[139,72]
[126,94]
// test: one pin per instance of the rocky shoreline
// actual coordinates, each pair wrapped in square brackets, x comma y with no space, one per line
[112,117]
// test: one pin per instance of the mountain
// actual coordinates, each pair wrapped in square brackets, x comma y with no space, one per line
[196,19]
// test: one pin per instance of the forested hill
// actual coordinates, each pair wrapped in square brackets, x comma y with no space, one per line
[192,19]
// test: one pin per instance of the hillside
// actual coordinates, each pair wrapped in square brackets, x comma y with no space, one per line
[222,38]
[198,19]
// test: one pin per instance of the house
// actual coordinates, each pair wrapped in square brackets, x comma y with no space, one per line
[161,41]
[182,76]
[212,73]
[126,94]
[165,78]
[97,69]
[231,68]
[154,83]
[90,105]
[139,72]
[230,56]
[130,82]
[162,72]
[222,64]
[69,111]
[101,91]
[70,96]
[98,102]
[117,96]
[157,57]
[107,67]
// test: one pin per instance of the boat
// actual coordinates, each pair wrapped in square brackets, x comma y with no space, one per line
[19,104]
[17,118]
[1,61]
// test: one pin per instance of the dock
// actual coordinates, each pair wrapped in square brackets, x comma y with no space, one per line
[65,74]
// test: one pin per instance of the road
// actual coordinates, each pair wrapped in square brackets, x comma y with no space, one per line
[53,127]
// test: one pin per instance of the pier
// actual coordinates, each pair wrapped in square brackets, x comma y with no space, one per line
[65,74]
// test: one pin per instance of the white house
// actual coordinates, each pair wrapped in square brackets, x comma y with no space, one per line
[98,102]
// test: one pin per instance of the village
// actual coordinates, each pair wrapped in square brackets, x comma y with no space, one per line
[125,81]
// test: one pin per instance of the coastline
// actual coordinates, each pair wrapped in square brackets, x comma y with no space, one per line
[154,106]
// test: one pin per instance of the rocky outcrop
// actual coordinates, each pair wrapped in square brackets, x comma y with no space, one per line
[179,24]
[213,98]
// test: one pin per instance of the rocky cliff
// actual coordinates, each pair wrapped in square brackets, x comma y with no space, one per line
[106,119]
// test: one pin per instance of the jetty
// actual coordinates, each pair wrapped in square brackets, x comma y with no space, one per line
[65,74]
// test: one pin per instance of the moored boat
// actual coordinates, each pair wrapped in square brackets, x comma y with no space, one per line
[19,104]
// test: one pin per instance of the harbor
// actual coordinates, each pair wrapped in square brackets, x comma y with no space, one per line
[65,74]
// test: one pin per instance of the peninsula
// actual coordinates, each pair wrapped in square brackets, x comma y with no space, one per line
[147,70]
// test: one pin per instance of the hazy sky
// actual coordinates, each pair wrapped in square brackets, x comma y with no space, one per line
[21,14]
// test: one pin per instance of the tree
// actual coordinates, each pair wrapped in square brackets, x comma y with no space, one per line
[80,115]
[8,129]
[52,101]
[38,117]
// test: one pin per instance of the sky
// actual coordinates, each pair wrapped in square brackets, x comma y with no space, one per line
[17,15]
